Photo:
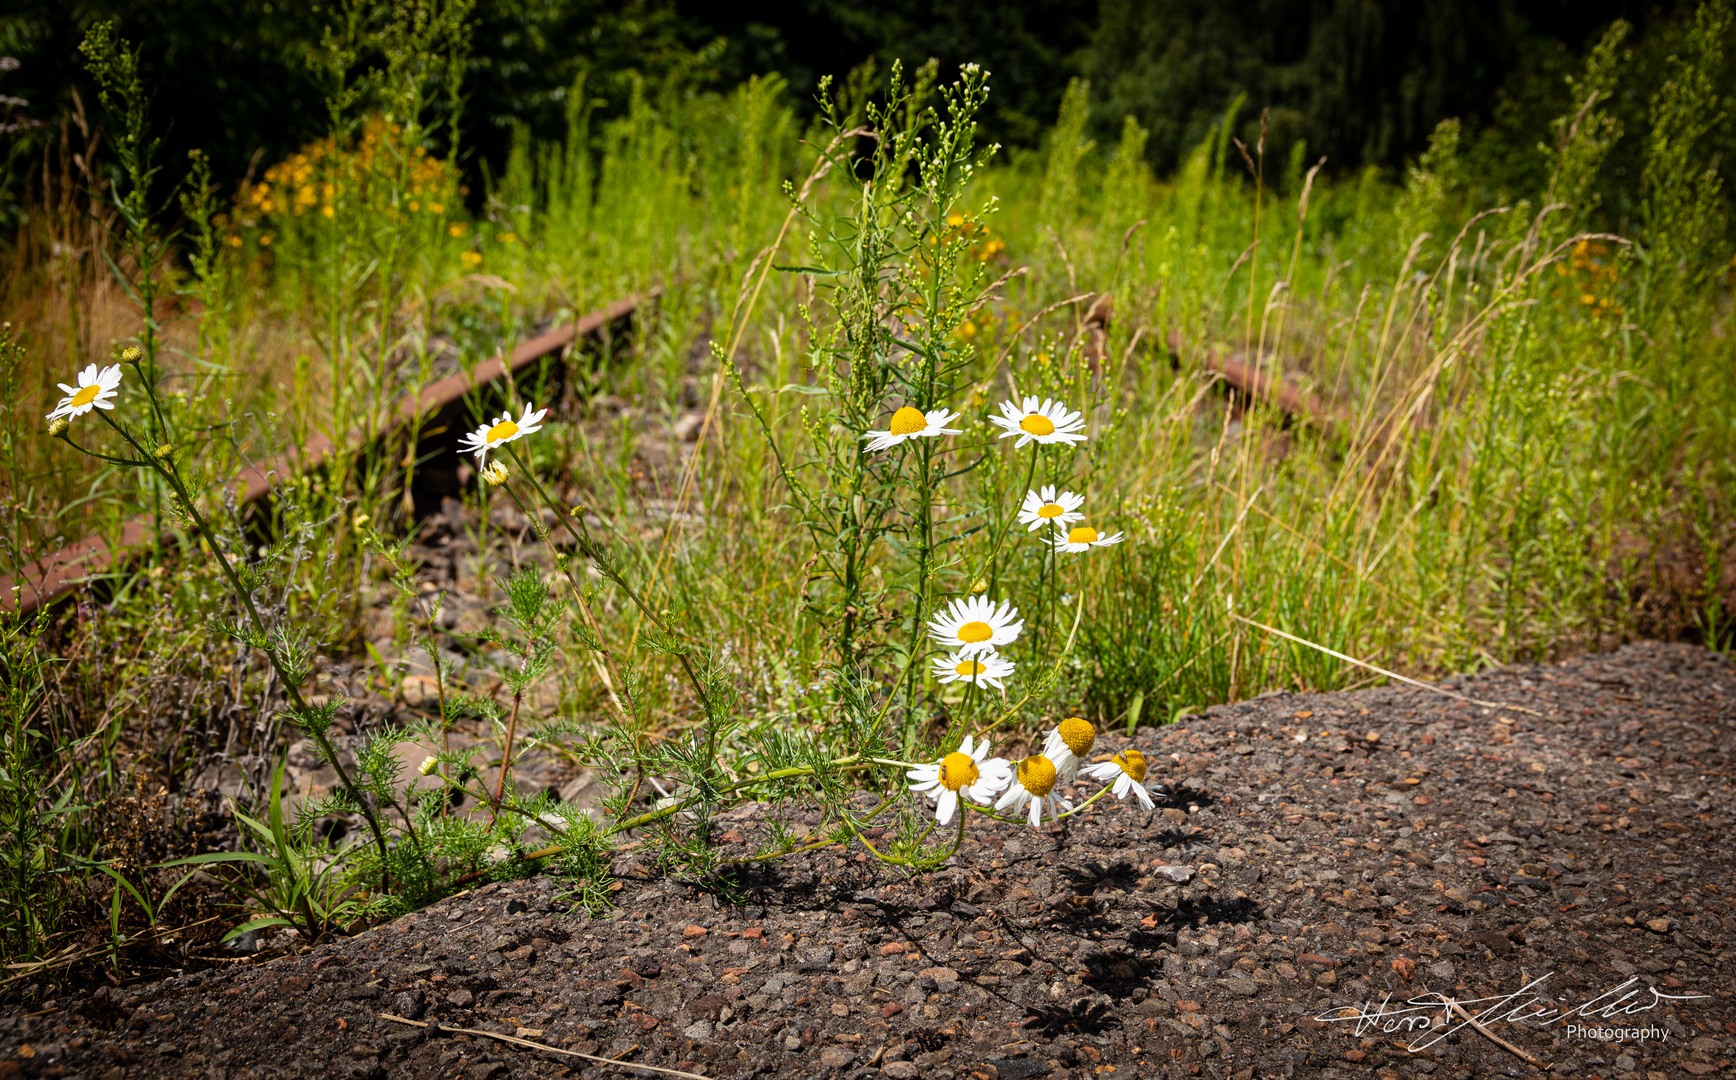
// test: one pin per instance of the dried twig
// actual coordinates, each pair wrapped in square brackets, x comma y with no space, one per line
[1490,1035]
[1389,674]
[70,957]
[536,1046]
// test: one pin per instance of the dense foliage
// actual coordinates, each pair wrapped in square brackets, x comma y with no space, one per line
[1360,83]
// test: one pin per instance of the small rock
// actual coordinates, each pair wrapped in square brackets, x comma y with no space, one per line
[1240,985]
[899,1070]
[461,998]
[694,932]
[1442,970]
[1658,926]
[408,1004]
[699,1030]
[687,427]
[1174,814]
[1626,1063]
[420,691]
[817,959]
[1373,737]
[1181,875]
[1355,1055]
[837,1057]
[945,978]
[1405,966]
[890,1009]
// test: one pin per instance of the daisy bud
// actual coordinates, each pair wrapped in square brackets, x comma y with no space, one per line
[495,474]
[163,452]
[429,764]
[362,521]
[577,511]
[57,428]
[980,586]
[132,354]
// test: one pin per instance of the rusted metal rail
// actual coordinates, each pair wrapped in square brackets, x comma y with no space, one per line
[1254,381]
[54,576]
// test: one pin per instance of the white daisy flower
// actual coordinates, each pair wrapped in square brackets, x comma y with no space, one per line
[974,625]
[95,388]
[1034,785]
[1048,508]
[964,772]
[1084,538]
[1127,770]
[1042,421]
[909,423]
[983,669]
[503,430]
[1068,743]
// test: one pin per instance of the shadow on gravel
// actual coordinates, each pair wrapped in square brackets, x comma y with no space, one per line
[1190,913]
[1080,1018]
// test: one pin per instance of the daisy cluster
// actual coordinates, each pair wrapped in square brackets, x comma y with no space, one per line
[1031,787]
[975,629]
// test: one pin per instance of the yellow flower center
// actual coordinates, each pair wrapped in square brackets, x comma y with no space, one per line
[85,395]
[1037,775]
[1078,735]
[1084,534]
[506,429]
[1037,424]
[1050,510]
[972,632]
[1132,763]
[908,421]
[967,668]
[957,770]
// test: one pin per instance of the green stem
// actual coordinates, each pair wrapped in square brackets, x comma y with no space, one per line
[289,685]
[591,548]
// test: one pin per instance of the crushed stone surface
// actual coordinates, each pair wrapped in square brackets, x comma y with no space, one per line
[1413,844]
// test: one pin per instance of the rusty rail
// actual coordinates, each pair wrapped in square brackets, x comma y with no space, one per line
[1255,382]
[54,576]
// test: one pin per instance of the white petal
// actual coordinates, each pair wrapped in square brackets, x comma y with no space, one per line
[947,807]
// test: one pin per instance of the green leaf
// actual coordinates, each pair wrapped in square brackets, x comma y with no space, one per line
[219,856]
[255,924]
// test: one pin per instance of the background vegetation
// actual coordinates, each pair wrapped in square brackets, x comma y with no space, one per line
[1499,308]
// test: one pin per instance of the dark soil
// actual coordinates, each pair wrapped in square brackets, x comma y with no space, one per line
[1413,843]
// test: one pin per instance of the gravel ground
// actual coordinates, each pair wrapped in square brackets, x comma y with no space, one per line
[1412,844]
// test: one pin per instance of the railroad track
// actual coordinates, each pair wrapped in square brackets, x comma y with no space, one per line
[55,576]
